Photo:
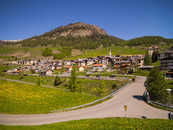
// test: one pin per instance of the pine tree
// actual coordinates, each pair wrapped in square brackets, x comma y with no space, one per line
[154,56]
[73,82]
[147,59]
[156,85]
[47,52]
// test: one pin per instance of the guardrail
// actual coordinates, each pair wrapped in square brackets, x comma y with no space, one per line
[96,101]
[149,101]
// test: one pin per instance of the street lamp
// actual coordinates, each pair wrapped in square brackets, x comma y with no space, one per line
[169,98]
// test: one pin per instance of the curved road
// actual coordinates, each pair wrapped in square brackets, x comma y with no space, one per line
[130,95]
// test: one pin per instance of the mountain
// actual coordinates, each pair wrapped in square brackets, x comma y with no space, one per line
[77,35]
[149,40]
[75,30]
[86,36]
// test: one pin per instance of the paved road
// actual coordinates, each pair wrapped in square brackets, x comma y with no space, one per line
[117,76]
[130,95]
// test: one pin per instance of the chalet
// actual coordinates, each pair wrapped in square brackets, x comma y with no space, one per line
[48,72]
[81,69]
[68,68]
[67,62]
[98,67]
[13,71]
[90,62]
[152,49]
[58,67]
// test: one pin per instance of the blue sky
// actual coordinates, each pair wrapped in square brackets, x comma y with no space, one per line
[126,19]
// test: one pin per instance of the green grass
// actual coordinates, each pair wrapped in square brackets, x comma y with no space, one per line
[156,64]
[140,72]
[99,88]
[6,52]
[37,51]
[45,80]
[118,50]
[102,124]
[23,98]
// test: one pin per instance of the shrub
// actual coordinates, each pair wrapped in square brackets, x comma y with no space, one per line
[57,81]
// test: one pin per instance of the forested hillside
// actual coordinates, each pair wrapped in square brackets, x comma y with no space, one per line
[149,40]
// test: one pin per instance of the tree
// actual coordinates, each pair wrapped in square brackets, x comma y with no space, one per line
[72,81]
[39,81]
[114,86]
[156,85]
[21,75]
[155,56]
[47,52]
[101,89]
[57,81]
[147,59]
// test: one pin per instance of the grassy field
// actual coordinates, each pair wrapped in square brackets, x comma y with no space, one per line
[118,50]
[21,52]
[102,124]
[140,72]
[97,88]
[23,98]
[36,52]
[45,80]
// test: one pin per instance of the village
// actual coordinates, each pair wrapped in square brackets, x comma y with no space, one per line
[97,64]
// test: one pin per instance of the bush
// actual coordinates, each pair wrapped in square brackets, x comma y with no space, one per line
[114,86]
[57,81]
[47,52]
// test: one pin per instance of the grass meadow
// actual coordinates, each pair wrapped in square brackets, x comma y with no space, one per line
[102,124]
[36,52]
[26,99]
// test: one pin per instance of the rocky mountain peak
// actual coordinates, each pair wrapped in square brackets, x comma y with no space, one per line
[77,29]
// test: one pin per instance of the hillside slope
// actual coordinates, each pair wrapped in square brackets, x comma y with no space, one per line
[77,35]
[149,40]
